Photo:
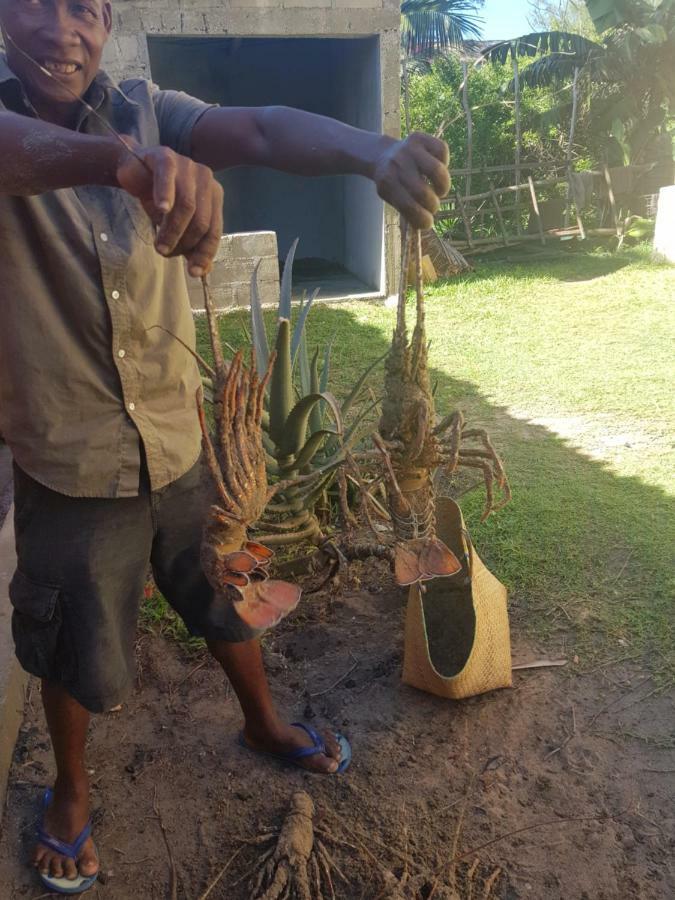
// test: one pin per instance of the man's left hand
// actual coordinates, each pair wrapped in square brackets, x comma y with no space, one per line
[412,175]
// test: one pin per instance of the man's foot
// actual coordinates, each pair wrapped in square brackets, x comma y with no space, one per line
[287,738]
[64,819]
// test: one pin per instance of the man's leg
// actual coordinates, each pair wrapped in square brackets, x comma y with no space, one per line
[263,728]
[82,564]
[69,811]
[180,511]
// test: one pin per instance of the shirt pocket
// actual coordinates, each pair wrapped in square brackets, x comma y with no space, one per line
[141,221]
[37,628]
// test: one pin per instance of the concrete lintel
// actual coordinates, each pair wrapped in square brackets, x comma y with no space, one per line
[13,679]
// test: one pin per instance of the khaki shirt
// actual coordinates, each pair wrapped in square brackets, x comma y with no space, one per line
[85,378]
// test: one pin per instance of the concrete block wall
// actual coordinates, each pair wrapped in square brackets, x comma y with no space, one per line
[127,52]
[233,268]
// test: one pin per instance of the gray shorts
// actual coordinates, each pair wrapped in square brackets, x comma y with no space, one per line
[82,564]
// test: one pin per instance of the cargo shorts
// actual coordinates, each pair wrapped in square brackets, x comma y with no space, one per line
[82,564]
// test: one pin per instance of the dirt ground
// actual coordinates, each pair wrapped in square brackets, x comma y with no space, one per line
[561,787]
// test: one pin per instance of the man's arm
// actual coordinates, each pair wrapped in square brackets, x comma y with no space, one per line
[181,196]
[38,157]
[411,175]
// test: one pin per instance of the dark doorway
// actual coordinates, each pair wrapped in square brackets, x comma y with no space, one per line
[339,220]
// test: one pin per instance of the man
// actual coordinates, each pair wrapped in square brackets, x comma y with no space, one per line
[96,405]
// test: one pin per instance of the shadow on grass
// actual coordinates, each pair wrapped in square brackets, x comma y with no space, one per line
[559,262]
[583,550]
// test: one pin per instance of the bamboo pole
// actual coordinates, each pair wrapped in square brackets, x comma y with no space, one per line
[535,207]
[612,201]
[516,87]
[570,145]
[469,126]
[500,218]
[520,239]
[486,195]
[406,94]
[465,219]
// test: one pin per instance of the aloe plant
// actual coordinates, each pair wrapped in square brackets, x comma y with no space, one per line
[304,435]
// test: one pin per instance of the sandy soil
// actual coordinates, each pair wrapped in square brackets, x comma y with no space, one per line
[561,787]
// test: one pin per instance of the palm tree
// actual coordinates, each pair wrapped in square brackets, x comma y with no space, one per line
[432,27]
[629,70]
[429,27]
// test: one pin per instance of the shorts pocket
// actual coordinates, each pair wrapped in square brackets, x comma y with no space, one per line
[37,628]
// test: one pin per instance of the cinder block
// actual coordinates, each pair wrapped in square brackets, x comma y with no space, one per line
[306,4]
[256,3]
[248,244]
[358,4]
[233,267]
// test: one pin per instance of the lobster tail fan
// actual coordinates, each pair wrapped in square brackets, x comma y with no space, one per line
[264,604]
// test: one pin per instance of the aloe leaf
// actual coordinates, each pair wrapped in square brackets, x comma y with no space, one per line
[303,366]
[309,499]
[295,348]
[310,449]
[358,422]
[353,394]
[295,426]
[325,472]
[281,385]
[325,372]
[316,415]
[335,449]
[287,283]
[302,319]
[260,345]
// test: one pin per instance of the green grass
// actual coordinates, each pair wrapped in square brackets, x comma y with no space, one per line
[157,617]
[566,359]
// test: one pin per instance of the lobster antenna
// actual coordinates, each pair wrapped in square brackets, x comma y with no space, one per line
[405,260]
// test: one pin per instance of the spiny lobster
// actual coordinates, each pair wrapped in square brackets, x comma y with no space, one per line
[414,446]
[233,564]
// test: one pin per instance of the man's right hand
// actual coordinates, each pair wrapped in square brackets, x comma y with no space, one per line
[182,198]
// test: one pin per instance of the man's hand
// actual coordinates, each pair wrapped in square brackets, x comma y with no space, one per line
[412,175]
[182,198]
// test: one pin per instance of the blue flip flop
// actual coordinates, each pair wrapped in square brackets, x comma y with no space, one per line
[318,746]
[65,885]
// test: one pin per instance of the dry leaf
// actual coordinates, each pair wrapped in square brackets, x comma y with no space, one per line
[539,664]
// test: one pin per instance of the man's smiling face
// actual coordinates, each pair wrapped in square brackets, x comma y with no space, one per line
[63,36]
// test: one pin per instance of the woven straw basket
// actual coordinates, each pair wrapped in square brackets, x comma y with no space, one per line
[457,640]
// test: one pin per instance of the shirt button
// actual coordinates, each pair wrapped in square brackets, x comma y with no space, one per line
[132,406]
[104,237]
[115,295]
[121,353]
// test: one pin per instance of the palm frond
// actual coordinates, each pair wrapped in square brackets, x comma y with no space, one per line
[538,42]
[430,26]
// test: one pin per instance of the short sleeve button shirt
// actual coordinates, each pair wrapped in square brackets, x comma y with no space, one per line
[91,374]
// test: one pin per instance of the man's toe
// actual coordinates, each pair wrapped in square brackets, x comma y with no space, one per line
[89,862]
[70,869]
[326,764]
[333,748]
[56,868]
